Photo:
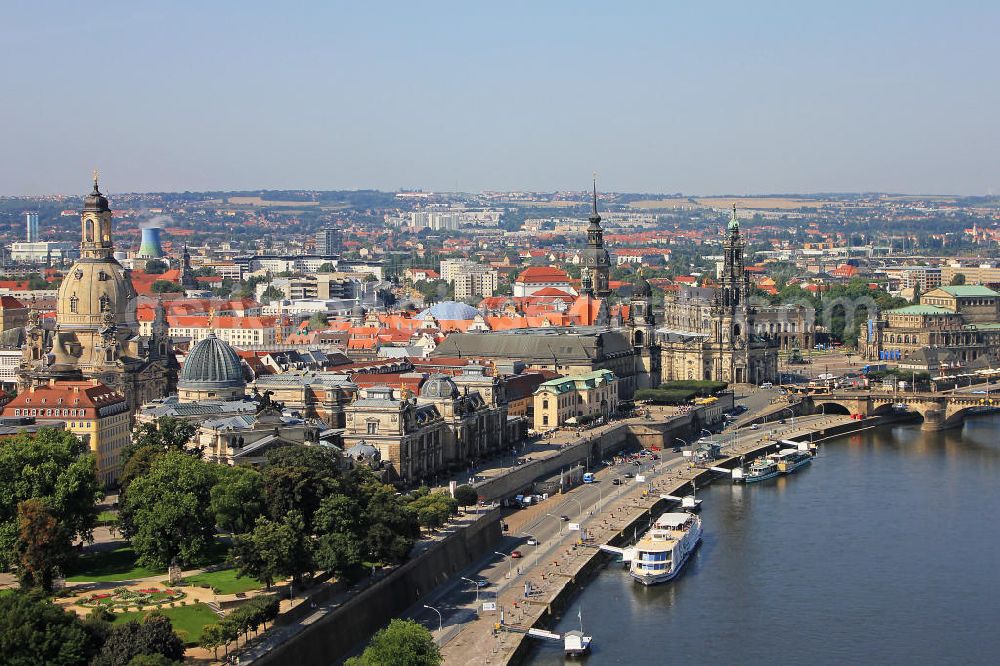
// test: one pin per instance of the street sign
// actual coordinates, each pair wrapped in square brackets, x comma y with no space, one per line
[574,527]
[640,479]
[489,606]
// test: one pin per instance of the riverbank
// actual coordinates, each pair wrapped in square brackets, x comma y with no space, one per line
[638,521]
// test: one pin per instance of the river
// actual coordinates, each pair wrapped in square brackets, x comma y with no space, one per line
[884,550]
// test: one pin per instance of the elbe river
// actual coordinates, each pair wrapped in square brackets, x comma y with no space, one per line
[885,550]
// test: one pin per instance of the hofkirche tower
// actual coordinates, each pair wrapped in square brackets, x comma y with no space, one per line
[96,332]
[595,257]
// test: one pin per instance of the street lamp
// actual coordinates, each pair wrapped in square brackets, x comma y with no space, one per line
[440,617]
[475,585]
[509,561]
[579,504]
[558,521]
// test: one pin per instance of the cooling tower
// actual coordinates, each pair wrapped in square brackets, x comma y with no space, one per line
[149,247]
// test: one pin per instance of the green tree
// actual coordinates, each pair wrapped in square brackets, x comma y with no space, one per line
[466,495]
[55,468]
[164,513]
[318,322]
[297,478]
[238,498]
[958,279]
[212,638]
[33,631]
[402,643]
[340,533]
[270,294]
[273,550]
[166,434]
[138,463]
[36,282]
[42,543]
[156,267]
[391,524]
[152,660]
[166,287]
[153,636]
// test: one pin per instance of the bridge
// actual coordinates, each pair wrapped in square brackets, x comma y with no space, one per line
[939,411]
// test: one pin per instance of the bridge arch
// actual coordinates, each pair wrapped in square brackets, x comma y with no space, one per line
[831,408]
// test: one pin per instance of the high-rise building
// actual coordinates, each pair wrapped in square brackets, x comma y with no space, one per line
[31,222]
[329,241]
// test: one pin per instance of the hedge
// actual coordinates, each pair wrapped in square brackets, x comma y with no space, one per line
[659,396]
[702,387]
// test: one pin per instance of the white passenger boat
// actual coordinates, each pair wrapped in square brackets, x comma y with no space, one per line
[789,460]
[761,469]
[662,551]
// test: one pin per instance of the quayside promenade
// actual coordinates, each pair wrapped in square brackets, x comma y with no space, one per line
[552,571]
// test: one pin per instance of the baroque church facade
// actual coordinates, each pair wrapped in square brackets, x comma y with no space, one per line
[96,335]
[723,346]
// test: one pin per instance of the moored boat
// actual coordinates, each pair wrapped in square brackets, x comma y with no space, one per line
[662,551]
[761,469]
[789,460]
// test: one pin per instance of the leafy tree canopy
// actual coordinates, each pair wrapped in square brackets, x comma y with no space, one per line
[402,643]
[33,631]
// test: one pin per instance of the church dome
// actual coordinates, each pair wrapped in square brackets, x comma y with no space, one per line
[450,310]
[439,386]
[212,364]
[95,201]
[92,288]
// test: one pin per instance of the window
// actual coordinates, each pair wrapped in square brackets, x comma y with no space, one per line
[372,428]
[545,419]
[545,404]
[74,304]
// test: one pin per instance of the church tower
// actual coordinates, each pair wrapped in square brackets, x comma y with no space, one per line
[595,257]
[641,329]
[732,331]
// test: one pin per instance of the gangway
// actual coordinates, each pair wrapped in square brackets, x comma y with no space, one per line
[547,635]
[626,553]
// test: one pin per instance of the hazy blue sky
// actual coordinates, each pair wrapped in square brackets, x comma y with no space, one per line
[700,97]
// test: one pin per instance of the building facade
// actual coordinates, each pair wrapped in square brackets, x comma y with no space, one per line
[574,398]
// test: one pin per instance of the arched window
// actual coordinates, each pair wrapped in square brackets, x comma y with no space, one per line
[74,304]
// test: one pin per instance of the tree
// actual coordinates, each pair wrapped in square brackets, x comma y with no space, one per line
[164,511]
[274,549]
[212,638]
[402,643]
[466,495]
[340,533]
[137,463]
[270,294]
[152,660]
[42,543]
[165,287]
[318,322]
[958,279]
[391,524]
[433,509]
[156,267]
[297,478]
[166,434]
[238,498]
[55,468]
[33,630]
[153,636]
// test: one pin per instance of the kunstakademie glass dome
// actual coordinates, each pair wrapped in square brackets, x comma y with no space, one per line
[212,364]
[451,310]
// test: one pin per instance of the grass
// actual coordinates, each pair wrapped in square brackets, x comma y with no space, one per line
[188,620]
[224,581]
[107,517]
[110,566]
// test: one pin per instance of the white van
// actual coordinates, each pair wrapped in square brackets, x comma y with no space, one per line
[767,385]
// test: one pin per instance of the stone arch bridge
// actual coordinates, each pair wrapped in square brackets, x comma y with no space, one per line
[939,411]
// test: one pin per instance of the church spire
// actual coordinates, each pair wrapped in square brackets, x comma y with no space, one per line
[595,218]
[734,220]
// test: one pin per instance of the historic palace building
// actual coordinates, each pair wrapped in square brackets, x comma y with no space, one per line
[711,333]
[96,334]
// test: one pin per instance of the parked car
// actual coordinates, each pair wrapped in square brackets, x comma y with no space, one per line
[564,517]
[617,482]
[515,554]
[755,427]
[482,582]
[677,449]
[532,541]
[630,475]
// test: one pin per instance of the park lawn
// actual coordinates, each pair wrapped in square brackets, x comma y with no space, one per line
[107,517]
[225,581]
[188,620]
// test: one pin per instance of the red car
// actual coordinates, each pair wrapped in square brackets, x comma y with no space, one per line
[515,554]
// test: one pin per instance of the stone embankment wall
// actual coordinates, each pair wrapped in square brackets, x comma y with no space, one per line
[330,638]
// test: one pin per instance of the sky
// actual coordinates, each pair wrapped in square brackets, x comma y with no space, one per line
[709,97]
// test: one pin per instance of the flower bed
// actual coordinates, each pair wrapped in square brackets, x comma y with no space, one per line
[123,597]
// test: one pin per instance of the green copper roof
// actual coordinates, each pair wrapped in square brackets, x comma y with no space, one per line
[965,290]
[921,310]
[734,221]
